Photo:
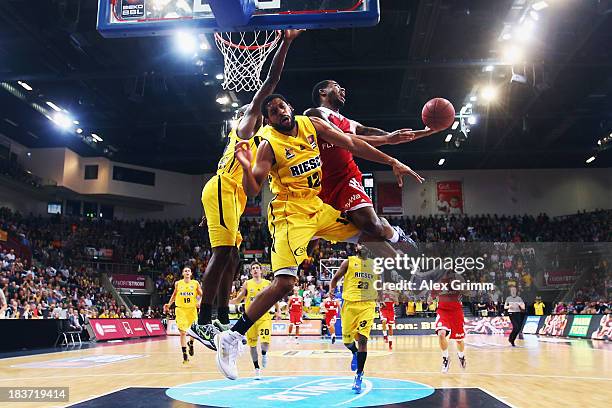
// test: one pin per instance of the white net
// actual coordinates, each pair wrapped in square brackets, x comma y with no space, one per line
[245,55]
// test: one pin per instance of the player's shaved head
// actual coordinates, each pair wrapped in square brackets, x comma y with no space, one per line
[316,91]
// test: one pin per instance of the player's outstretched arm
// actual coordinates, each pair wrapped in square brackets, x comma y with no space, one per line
[253,178]
[246,127]
[362,149]
[337,276]
[240,296]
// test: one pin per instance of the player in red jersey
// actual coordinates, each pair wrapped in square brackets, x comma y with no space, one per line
[295,305]
[342,181]
[330,307]
[450,319]
[387,316]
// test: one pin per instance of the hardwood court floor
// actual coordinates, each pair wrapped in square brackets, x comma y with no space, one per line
[545,372]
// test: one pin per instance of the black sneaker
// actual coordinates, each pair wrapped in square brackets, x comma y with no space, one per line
[445,364]
[204,333]
[190,345]
[462,362]
[403,238]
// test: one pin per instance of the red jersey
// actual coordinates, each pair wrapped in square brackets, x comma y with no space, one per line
[331,307]
[338,163]
[295,304]
[448,295]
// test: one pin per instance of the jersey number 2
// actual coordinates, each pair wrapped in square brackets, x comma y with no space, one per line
[314,180]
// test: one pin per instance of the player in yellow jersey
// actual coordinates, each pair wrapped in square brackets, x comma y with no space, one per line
[262,329]
[186,296]
[289,154]
[224,201]
[358,308]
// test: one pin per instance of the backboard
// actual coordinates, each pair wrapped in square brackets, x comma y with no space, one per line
[139,18]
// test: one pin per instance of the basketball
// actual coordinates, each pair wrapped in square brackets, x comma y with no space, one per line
[438,114]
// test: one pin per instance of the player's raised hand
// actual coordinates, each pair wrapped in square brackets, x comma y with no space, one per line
[400,170]
[243,153]
[401,136]
[291,35]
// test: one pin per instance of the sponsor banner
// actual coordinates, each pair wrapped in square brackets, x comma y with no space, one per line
[308,327]
[580,326]
[488,325]
[426,325]
[154,327]
[449,196]
[601,327]
[253,206]
[102,253]
[531,324]
[408,326]
[563,277]
[125,281]
[3,235]
[389,199]
[133,327]
[115,329]
[554,325]
[172,329]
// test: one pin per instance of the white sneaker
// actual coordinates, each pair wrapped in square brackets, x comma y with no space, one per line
[445,364]
[257,374]
[264,361]
[229,345]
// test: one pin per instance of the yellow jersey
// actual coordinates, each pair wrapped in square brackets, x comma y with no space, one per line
[186,293]
[228,165]
[297,161]
[253,288]
[539,308]
[359,280]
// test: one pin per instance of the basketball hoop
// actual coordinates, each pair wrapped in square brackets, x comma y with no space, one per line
[244,55]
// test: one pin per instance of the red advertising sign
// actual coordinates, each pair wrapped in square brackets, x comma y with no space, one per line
[133,327]
[124,281]
[308,327]
[449,197]
[389,199]
[154,327]
[107,329]
[560,278]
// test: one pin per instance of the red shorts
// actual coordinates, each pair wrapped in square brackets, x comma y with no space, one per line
[295,318]
[330,319]
[450,318]
[347,193]
[388,315]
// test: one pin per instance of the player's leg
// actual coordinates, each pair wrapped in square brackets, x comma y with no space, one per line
[290,328]
[182,323]
[184,346]
[331,328]
[349,326]
[265,334]
[365,318]
[461,353]
[193,318]
[297,328]
[443,341]
[225,288]
[384,329]
[391,322]
[252,336]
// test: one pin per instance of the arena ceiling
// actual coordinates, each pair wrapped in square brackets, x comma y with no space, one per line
[155,107]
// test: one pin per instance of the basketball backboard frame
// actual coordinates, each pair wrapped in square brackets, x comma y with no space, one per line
[363,13]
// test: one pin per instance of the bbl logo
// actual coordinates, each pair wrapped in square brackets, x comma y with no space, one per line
[299,392]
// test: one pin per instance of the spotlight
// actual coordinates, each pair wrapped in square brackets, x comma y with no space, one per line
[96,138]
[590,159]
[525,31]
[472,120]
[489,68]
[235,104]
[455,125]
[489,93]
[513,55]
[534,15]
[473,98]
[223,100]
[448,138]
[219,76]
[79,131]
[29,154]
[186,42]
[441,162]
[61,120]
[204,46]
[54,106]
[76,122]
[25,85]
[468,105]
[540,5]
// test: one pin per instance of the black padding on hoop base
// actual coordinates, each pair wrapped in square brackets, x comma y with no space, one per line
[232,13]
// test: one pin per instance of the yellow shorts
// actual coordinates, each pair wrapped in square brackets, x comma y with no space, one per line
[224,202]
[357,317]
[294,222]
[185,317]
[262,329]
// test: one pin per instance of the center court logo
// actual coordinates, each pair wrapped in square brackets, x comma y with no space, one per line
[299,392]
